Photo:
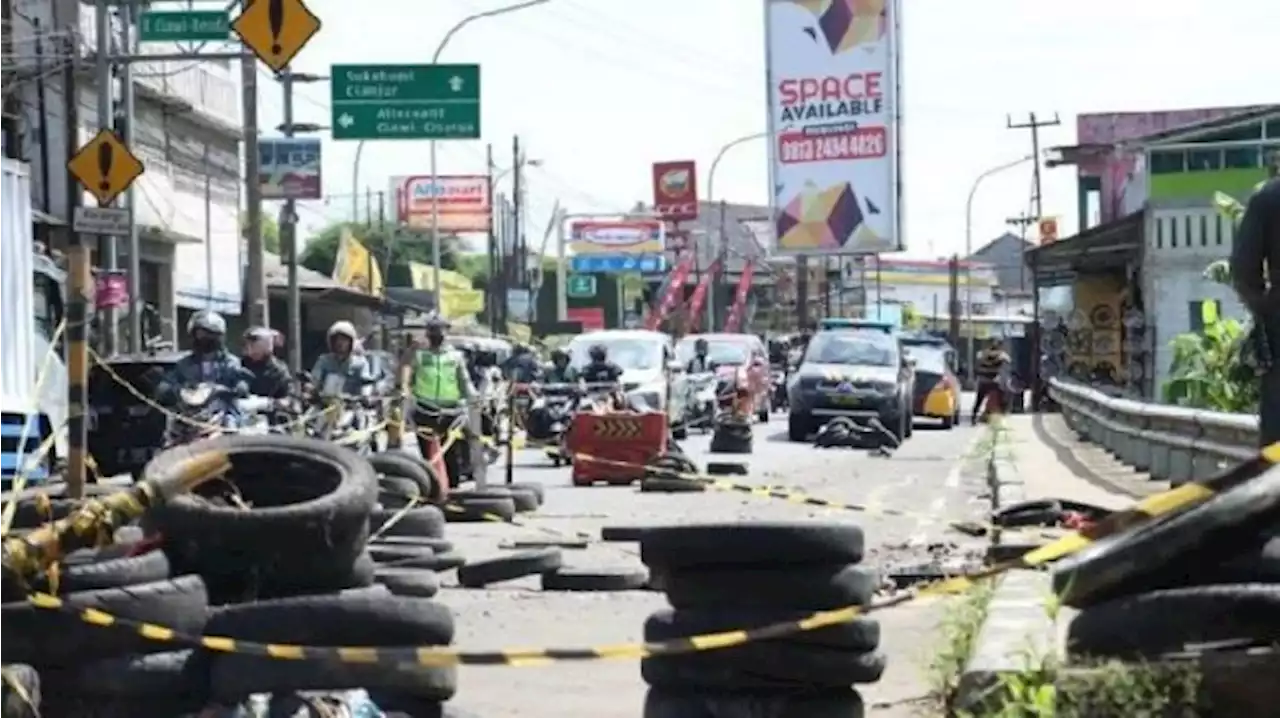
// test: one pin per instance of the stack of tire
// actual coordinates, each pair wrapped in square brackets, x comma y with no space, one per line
[664,474]
[495,503]
[731,435]
[276,551]
[730,577]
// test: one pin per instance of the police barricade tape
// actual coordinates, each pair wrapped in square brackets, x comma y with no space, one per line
[1149,508]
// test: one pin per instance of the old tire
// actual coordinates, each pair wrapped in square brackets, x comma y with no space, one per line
[423,583]
[799,587]
[311,502]
[525,500]
[1230,523]
[20,692]
[751,544]
[575,579]
[110,572]
[506,568]
[667,485]
[471,507]
[778,665]
[398,463]
[668,624]
[693,703]
[165,675]
[622,533]
[538,490]
[424,521]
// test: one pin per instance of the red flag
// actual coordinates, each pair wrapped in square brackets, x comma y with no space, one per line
[739,307]
[675,289]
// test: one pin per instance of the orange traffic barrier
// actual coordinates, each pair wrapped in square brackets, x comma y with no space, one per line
[624,441]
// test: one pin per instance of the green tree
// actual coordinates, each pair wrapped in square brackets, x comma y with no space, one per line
[270,232]
[407,245]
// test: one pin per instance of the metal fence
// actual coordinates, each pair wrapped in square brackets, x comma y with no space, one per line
[1172,443]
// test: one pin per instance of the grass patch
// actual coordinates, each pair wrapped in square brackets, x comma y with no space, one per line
[959,627]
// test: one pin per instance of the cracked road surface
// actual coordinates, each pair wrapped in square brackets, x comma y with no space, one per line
[936,476]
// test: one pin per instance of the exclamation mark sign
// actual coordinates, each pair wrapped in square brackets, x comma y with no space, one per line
[106,155]
[275,16]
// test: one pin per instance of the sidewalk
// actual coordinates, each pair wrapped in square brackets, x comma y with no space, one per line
[1052,463]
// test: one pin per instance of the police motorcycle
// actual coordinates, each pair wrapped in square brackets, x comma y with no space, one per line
[451,428]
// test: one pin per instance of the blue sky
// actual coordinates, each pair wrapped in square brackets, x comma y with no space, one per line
[600,89]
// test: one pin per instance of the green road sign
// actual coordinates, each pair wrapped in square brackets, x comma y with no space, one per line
[405,102]
[163,26]
[581,286]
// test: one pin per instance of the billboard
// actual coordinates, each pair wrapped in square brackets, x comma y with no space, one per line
[289,168]
[834,118]
[675,190]
[616,237]
[463,201]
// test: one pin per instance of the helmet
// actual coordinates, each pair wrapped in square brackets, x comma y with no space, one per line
[211,322]
[558,355]
[342,328]
[435,321]
[700,343]
[260,334]
[598,352]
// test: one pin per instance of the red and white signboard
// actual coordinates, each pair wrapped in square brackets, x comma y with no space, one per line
[463,202]
[592,318]
[675,190]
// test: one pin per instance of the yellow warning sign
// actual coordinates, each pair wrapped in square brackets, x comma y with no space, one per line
[276,30]
[105,167]
[617,428]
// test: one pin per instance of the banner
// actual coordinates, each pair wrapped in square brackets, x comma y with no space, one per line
[675,190]
[739,307]
[635,236]
[458,297]
[699,298]
[289,167]
[674,291]
[834,113]
[463,201]
[353,265]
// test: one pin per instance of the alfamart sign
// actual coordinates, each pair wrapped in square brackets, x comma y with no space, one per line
[834,109]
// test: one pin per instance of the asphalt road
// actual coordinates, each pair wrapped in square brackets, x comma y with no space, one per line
[935,475]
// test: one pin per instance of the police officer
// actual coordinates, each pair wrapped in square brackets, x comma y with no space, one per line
[208,360]
[271,376]
[993,363]
[700,363]
[560,372]
[1255,274]
[440,381]
[342,360]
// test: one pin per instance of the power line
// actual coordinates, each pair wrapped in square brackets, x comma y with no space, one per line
[1034,124]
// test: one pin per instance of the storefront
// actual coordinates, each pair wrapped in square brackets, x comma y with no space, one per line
[1089,307]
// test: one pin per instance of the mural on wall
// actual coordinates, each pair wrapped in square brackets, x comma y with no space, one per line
[1101,340]
[1122,166]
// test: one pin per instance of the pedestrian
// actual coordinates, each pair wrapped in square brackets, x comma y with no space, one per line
[992,372]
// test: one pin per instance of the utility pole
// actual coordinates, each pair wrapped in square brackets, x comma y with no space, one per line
[137,339]
[108,250]
[1022,221]
[256,306]
[289,217]
[518,247]
[1034,124]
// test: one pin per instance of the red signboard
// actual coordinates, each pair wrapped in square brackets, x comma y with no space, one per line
[675,190]
[590,317]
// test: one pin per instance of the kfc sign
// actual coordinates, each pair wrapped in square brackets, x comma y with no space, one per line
[675,190]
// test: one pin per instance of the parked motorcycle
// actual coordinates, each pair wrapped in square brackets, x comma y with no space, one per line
[778,389]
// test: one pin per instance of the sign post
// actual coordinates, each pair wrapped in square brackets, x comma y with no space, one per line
[276,30]
[185,25]
[405,102]
[581,286]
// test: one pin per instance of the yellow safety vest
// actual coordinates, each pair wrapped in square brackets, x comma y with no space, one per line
[436,378]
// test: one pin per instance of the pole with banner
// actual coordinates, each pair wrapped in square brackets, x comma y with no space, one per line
[675,201]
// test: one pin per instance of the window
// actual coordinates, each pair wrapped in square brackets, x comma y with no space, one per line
[1242,158]
[1204,160]
[1273,129]
[1186,231]
[1234,134]
[1163,163]
[1173,232]
[1204,230]
[1159,233]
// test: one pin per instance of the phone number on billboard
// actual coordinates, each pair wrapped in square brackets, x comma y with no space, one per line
[864,142]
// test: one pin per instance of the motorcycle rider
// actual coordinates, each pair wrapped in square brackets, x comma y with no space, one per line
[208,361]
[523,366]
[440,380]
[700,363]
[560,372]
[600,370]
[992,368]
[342,360]
[271,377]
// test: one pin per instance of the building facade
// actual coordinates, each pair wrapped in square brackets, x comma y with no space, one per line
[187,133]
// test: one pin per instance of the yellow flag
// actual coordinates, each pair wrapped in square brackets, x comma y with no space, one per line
[353,264]
[457,296]
[423,277]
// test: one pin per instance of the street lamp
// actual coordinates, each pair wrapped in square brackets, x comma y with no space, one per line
[711,184]
[968,252]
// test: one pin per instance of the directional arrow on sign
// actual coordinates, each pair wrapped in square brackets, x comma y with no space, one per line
[346,120]
[455,83]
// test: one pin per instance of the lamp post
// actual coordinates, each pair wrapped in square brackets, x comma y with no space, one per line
[711,184]
[968,252]
[435,199]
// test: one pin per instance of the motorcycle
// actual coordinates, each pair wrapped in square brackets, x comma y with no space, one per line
[203,411]
[550,414]
[702,401]
[439,423]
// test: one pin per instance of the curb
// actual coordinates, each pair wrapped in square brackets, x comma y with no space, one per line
[1017,626]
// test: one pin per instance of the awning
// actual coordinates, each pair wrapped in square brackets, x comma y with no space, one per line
[1107,246]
